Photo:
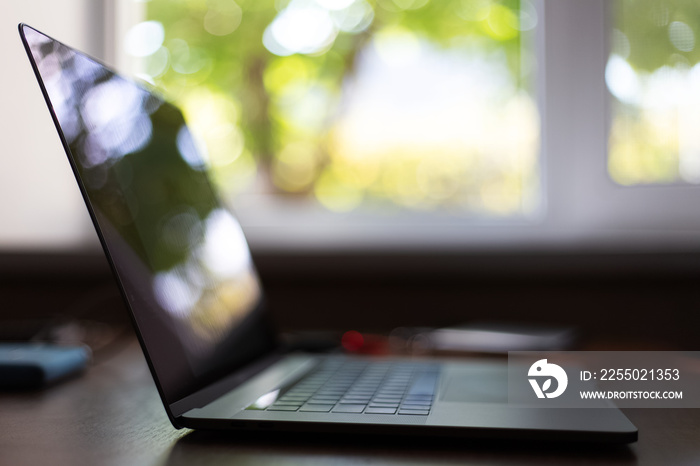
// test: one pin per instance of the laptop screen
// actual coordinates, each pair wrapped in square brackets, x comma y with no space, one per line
[179,255]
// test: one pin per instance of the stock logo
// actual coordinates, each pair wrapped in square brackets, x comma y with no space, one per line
[542,370]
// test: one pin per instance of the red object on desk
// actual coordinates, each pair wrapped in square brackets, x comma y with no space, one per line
[356,342]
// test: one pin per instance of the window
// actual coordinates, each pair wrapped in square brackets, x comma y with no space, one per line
[530,155]
[654,78]
[346,105]
[567,166]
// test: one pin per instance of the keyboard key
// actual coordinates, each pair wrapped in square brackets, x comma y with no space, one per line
[365,387]
[321,402]
[315,408]
[288,403]
[282,408]
[380,411]
[383,405]
[419,397]
[395,386]
[354,401]
[416,412]
[349,409]
[418,402]
[387,399]
[415,407]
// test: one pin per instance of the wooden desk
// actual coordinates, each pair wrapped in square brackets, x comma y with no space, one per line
[112,415]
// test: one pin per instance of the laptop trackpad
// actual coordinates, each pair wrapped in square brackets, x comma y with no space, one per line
[487,385]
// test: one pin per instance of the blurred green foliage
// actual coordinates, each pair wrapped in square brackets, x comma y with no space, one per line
[215,48]
[654,28]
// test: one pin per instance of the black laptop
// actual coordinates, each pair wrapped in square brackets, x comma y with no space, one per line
[186,275]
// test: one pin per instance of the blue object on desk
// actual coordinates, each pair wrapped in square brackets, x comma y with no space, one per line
[34,365]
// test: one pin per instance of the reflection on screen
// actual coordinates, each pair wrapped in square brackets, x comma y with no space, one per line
[181,257]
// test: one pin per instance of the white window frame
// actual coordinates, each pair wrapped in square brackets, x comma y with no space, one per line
[576,150]
[582,209]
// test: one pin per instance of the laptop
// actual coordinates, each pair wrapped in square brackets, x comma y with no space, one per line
[186,275]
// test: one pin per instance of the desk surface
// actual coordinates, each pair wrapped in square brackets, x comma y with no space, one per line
[112,415]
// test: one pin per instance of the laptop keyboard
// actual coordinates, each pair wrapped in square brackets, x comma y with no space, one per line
[359,387]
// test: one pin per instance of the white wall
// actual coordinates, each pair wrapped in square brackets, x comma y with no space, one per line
[40,204]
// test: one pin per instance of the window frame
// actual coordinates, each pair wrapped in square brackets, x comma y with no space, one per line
[597,200]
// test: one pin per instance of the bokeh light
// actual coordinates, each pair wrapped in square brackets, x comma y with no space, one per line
[223,17]
[144,39]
